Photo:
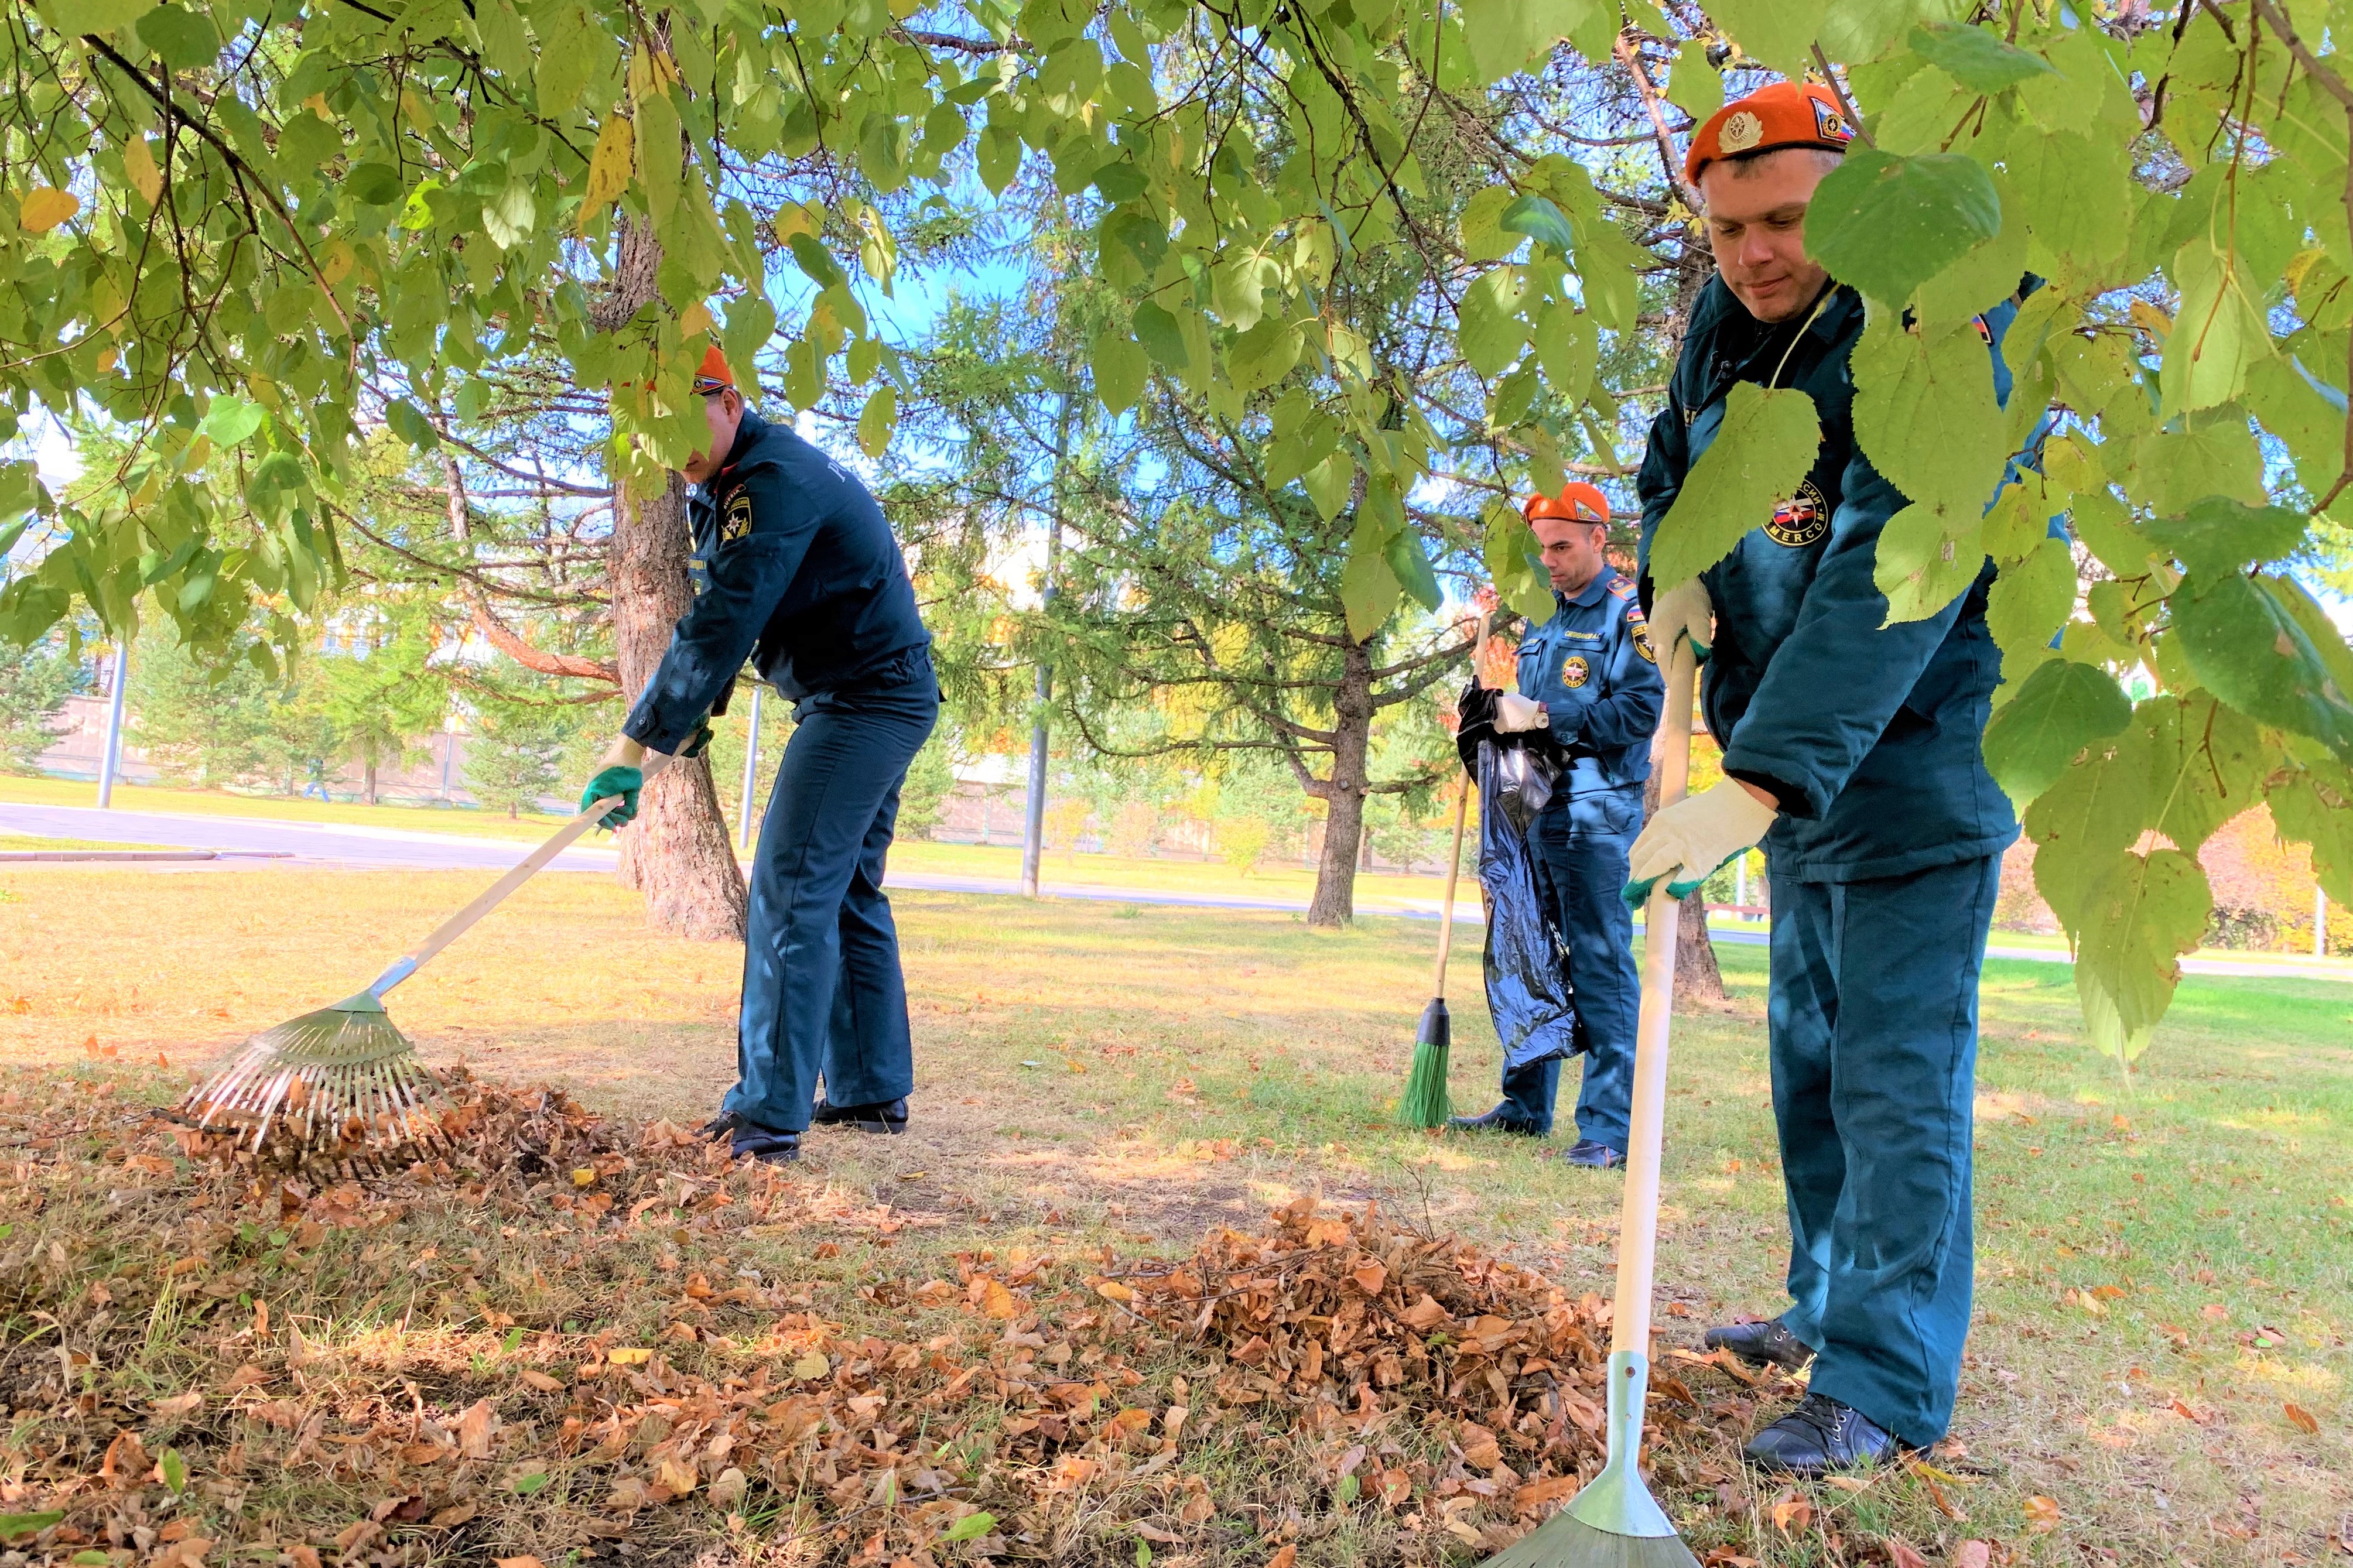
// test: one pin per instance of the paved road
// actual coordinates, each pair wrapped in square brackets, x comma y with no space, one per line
[380,849]
[311,844]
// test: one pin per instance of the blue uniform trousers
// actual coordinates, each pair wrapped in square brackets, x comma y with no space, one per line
[1873,1022]
[822,987]
[1581,845]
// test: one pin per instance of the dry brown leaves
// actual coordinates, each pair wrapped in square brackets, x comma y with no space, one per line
[1351,1374]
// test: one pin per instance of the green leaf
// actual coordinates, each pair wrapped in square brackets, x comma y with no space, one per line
[1485,238]
[2314,805]
[1779,32]
[1539,218]
[1924,562]
[186,39]
[1975,57]
[174,1471]
[971,1527]
[94,16]
[660,155]
[2097,810]
[1762,450]
[1492,329]
[1263,355]
[2073,190]
[1369,590]
[1980,279]
[878,420]
[2139,918]
[1887,225]
[1925,414]
[1121,370]
[408,422]
[1328,483]
[2263,646]
[535,1482]
[2218,535]
[2209,763]
[2172,469]
[1161,336]
[2030,602]
[1410,563]
[1694,86]
[2063,708]
[231,420]
[815,260]
[2217,334]
[13,1525]
[998,157]
[1503,34]
[1568,347]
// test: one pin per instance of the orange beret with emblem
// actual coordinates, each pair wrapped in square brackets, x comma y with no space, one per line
[1579,502]
[714,376]
[1786,114]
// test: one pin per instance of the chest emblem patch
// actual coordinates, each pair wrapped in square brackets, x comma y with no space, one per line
[1801,519]
[736,518]
[1575,671]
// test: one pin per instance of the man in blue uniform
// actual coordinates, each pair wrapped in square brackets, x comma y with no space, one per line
[1588,677]
[1852,752]
[797,571]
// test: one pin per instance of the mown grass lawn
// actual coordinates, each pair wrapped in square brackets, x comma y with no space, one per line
[2165,1264]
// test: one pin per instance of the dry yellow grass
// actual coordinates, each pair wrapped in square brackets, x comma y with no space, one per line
[1088,1072]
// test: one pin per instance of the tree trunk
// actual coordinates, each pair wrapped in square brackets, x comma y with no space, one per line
[1334,903]
[368,786]
[677,852]
[1696,974]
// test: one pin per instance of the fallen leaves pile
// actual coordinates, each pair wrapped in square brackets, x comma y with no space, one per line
[559,1336]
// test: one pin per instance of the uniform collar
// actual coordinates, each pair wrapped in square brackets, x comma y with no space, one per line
[1590,594]
[751,428]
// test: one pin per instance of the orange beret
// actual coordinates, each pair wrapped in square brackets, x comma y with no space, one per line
[1579,502]
[714,375]
[1786,114]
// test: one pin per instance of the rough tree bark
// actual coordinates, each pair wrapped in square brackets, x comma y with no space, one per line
[1696,974]
[677,852]
[1334,903]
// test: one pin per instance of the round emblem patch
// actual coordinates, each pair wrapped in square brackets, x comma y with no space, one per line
[1740,132]
[1575,671]
[1801,519]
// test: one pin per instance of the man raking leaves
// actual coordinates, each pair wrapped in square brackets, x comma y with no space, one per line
[1852,753]
[798,572]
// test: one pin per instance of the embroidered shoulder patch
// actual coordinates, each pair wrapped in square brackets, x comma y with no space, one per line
[1642,638]
[735,516]
[1621,587]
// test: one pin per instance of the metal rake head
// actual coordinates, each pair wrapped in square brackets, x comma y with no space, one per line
[330,1081]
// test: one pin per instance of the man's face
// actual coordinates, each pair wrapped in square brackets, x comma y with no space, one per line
[1572,551]
[725,410]
[1756,226]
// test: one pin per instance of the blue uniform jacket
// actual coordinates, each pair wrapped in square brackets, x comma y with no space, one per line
[795,568]
[1870,736]
[1593,669]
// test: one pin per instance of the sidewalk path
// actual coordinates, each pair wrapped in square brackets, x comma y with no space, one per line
[389,849]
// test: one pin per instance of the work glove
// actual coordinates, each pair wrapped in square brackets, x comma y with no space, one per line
[1687,841]
[699,743]
[621,780]
[1474,723]
[1515,714]
[1682,611]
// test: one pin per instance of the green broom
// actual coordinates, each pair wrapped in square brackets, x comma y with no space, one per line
[1615,1523]
[344,1078]
[1425,1102]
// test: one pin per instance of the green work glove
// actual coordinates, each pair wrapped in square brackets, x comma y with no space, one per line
[621,780]
[701,744]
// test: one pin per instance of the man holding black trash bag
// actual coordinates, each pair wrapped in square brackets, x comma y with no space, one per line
[1590,688]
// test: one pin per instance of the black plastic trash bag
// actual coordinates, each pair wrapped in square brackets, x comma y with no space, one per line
[1528,972]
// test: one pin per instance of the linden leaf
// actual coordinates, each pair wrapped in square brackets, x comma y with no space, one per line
[1760,453]
[45,207]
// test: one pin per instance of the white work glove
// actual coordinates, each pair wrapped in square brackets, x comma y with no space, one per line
[1515,713]
[1682,611]
[1688,841]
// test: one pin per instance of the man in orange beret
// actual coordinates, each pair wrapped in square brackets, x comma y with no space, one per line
[1588,677]
[1852,753]
[796,569]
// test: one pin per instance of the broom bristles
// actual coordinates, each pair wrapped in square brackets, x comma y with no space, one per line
[333,1078]
[1425,1102]
[1565,1541]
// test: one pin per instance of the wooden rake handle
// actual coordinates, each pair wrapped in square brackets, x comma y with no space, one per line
[1637,1219]
[1454,860]
[456,925]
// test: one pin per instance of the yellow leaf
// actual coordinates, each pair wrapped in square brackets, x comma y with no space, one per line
[608,167]
[584,1177]
[336,260]
[695,317]
[813,1364]
[45,208]
[628,1357]
[1113,1291]
[997,1301]
[140,164]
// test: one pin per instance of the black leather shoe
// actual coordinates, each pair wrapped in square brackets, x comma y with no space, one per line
[723,1125]
[1601,1156]
[1499,1120]
[1819,1436]
[769,1145]
[1768,1343]
[888,1117]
